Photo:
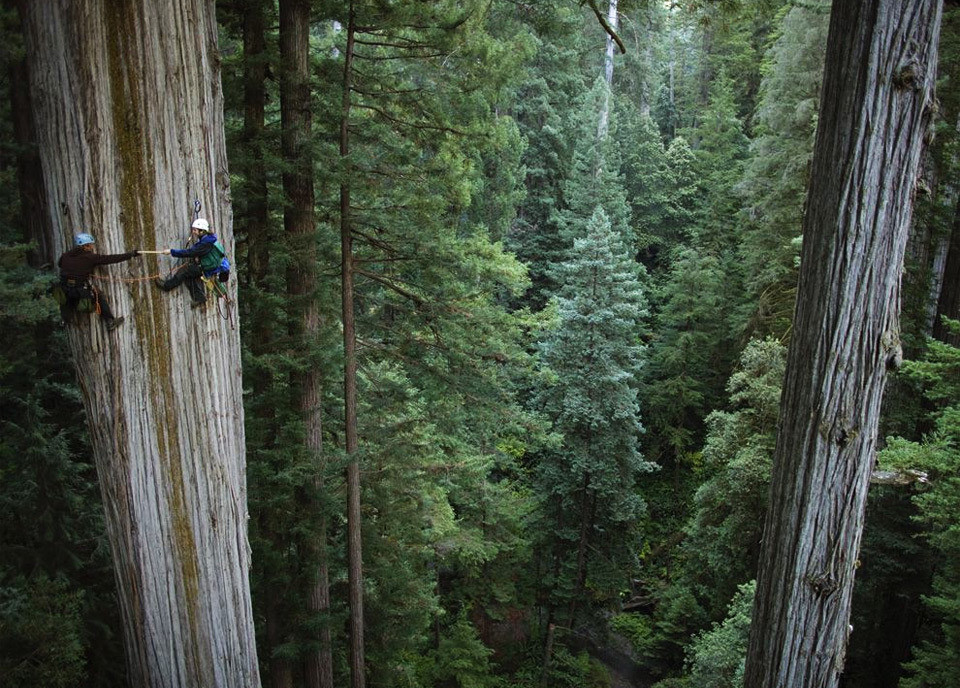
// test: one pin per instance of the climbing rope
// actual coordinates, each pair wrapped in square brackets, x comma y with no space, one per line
[224,310]
[215,287]
[227,312]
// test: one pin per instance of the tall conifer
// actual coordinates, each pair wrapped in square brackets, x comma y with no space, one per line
[589,487]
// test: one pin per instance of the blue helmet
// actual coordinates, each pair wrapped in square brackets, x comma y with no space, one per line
[83,239]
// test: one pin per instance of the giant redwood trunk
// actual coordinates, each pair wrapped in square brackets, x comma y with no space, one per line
[876,100]
[129,125]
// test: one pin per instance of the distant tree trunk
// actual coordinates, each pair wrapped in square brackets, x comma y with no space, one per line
[130,129]
[938,250]
[611,45]
[586,523]
[547,655]
[319,672]
[297,179]
[280,670]
[934,245]
[557,562]
[604,124]
[33,203]
[254,220]
[875,108]
[354,542]
[650,40]
[948,305]
[298,219]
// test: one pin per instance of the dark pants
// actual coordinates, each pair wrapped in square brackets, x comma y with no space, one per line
[191,274]
[76,291]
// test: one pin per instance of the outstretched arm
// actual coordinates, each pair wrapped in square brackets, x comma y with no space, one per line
[196,251]
[109,258]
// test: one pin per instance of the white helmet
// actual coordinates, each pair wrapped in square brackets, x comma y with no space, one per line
[201,224]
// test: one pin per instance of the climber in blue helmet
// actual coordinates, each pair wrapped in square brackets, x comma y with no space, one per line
[74,291]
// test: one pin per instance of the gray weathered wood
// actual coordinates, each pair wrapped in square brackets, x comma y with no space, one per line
[603,125]
[129,117]
[875,107]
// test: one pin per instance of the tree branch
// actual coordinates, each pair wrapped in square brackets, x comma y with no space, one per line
[388,44]
[389,92]
[390,285]
[383,58]
[412,125]
[606,26]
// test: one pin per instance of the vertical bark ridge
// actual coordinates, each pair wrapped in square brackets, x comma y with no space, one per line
[874,110]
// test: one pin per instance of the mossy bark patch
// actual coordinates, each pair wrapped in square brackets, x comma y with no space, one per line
[136,192]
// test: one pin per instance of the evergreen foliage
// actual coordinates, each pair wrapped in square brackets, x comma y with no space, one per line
[594,178]
[461,658]
[41,633]
[541,109]
[648,180]
[588,487]
[716,657]
[683,195]
[723,538]
[695,347]
[775,180]
[720,149]
[57,612]
[430,189]
[524,289]
[936,659]
[681,383]
[722,535]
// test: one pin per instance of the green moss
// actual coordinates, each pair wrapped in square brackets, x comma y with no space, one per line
[136,194]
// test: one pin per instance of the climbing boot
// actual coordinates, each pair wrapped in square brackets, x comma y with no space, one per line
[197,304]
[114,323]
[160,283]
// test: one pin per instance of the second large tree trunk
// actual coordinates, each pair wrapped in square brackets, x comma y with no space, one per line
[354,539]
[298,220]
[877,93]
[129,124]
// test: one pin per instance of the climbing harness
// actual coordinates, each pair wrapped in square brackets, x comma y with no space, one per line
[85,297]
[216,289]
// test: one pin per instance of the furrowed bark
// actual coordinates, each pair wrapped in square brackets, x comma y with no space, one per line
[875,108]
[128,107]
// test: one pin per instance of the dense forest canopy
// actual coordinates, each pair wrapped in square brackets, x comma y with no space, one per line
[512,297]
